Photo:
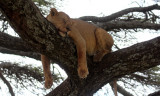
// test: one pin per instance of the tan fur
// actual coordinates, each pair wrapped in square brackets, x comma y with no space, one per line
[87,38]
[47,72]
[115,87]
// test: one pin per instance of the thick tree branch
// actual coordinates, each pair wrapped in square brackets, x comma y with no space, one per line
[13,43]
[20,53]
[120,13]
[62,90]
[128,25]
[7,83]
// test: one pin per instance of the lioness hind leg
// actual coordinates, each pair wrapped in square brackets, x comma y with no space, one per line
[104,44]
[47,72]
[98,57]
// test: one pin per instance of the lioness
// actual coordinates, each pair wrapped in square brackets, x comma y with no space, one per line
[87,37]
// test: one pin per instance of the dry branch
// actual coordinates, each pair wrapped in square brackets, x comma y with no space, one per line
[20,71]
[120,13]
[8,84]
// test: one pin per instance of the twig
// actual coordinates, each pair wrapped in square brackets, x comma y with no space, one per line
[120,13]
[7,83]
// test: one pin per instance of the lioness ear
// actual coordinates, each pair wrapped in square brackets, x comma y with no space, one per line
[53,12]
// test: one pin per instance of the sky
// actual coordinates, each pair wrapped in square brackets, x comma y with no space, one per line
[78,8]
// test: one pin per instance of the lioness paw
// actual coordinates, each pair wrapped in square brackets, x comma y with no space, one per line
[48,83]
[63,34]
[83,72]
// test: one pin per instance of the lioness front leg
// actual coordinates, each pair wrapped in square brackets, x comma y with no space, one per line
[47,72]
[81,52]
[82,62]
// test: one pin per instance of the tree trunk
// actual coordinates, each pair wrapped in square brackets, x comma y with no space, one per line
[42,37]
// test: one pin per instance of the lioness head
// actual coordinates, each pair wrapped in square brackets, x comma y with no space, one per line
[60,19]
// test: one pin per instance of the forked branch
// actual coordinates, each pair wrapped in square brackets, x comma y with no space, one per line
[120,13]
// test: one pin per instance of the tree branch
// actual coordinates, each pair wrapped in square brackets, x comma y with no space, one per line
[148,80]
[19,71]
[128,25]
[20,53]
[120,13]
[123,91]
[13,43]
[64,89]
[7,83]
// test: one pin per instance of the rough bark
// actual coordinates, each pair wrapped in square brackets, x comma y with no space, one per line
[20,53]
[13,43]
[128,25]
[42,37]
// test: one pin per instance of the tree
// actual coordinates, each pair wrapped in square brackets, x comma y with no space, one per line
[37,35]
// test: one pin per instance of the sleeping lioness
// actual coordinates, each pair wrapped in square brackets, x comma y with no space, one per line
[87,37]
